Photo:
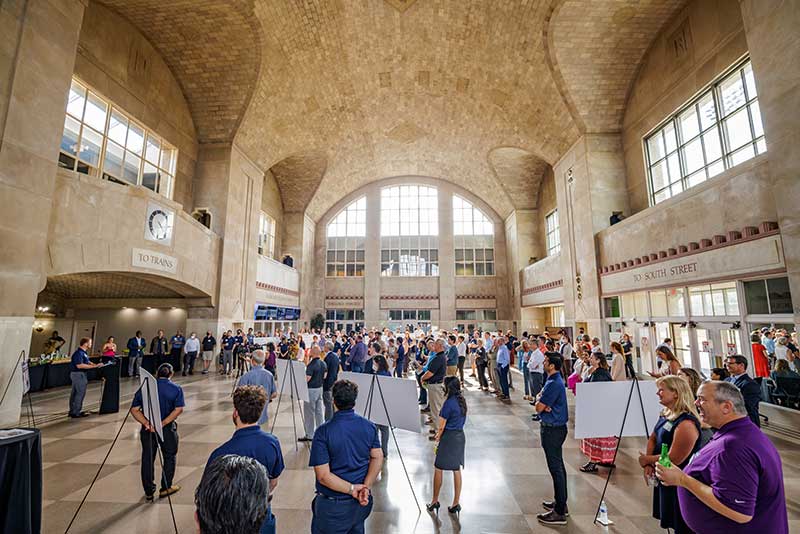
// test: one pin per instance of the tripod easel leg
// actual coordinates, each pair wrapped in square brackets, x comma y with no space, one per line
[634,383]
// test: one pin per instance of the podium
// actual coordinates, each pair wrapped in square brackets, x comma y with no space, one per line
[109,402]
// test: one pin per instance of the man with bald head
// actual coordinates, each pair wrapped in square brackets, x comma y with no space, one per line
[735,483]
[258,376]
[314,409]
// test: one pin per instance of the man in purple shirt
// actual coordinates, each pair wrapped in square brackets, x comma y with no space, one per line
[358,355]
[735,483]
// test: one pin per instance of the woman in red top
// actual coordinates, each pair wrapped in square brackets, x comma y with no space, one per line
[760,360]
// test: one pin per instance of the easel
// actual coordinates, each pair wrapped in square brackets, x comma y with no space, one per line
[150,418]
[634,383]
[31,418]
[293,393]
[240,363]
[368,413]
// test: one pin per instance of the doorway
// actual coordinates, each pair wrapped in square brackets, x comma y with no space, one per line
[80,330]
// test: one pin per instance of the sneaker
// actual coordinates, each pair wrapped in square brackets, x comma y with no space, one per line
[551,505]
[169,491]
[148,498]
[552,518]
[205,372]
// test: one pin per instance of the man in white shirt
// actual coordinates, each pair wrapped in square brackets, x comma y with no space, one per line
[190,349]
[536,372]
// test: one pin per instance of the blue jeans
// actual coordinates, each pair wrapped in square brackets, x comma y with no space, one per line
[527,378]
[341,516]
[502,373]
[357,367]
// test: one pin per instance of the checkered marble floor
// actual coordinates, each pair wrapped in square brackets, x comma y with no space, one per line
[505,478]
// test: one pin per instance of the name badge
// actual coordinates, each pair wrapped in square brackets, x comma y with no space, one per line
[668,426]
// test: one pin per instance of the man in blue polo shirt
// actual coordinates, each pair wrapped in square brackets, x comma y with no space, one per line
[452,356]
[77,373]
[346,456]
[176,342]
[249,440]
[554,414]
[170,402]
[228,343]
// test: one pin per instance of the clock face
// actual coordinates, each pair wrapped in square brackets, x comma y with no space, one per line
[158,225]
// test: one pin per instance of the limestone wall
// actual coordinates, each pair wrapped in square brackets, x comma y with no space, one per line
[704,39]
[272,205]
[116,60]
[96,225]
[739,197]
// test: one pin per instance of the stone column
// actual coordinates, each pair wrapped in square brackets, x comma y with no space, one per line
[590,184]
[299,241]
[372,256]
[447,260]
[772,34]
[230,185]
[38,43]
[522,243]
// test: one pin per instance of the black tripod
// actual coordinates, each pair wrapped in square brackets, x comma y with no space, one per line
[634,384]
[294,393]
[150,417]
[368,413]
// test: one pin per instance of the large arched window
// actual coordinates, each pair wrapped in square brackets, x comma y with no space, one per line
[473,236]
[346,236]
[409,231]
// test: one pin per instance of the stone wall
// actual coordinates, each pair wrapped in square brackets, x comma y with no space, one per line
[272,205]
[700,42]
[118,62]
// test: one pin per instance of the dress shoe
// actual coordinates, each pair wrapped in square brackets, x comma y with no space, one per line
[552,518]
[551,505]
[169,491]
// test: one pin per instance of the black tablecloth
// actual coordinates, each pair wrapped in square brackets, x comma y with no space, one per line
[53,375]
[37,374]
[21,483]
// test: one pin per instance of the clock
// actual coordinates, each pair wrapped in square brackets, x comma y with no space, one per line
[158,224]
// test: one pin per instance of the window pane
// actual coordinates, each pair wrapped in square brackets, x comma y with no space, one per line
[658,303]
[708,111]
[742,155]
[750,81]
[135,139]
[659,176]
[689,124]
[675,302]
[755,294]
[655,146]
[674,164]
[780,299]
[732,93]
[715,168]
[96,111]
[152,150]
[737,126]
[90,147]
[755,112]
[77,100]
[711,144]
[151,177]
[130,172]
[693,156]
[69,139]
[168,160]
[117,127]
[670,138]
[112,164]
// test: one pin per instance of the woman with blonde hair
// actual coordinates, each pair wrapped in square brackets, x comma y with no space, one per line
[679,429]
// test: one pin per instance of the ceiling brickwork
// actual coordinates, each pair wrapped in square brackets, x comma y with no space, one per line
[213,47]
[596,48]
[334,94]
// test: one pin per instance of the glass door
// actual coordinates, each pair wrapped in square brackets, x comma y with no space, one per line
[643,356]
[705,349]
[682,344]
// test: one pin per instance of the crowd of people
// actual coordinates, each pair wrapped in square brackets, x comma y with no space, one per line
[708,428]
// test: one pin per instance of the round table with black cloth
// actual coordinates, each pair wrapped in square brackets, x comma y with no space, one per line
[21,483]
[450,452]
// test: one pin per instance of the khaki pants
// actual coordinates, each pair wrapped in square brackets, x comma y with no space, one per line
[435,401]
[452,370]
[492,368]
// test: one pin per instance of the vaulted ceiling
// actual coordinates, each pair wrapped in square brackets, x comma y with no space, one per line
[334,94]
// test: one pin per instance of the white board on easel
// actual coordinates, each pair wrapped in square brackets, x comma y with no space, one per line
[600,407]
[300,385]
[400,395]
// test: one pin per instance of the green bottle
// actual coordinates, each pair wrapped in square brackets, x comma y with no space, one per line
[664,458]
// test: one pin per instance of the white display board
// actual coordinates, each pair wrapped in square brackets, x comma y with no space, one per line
[300,386]
[600,407]
[26,377]
[264,340]
[150,405]
[400,395]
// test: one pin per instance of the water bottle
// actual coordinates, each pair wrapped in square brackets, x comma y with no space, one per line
[602,517]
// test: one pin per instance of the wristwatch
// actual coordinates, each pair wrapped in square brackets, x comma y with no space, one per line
[351,489]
